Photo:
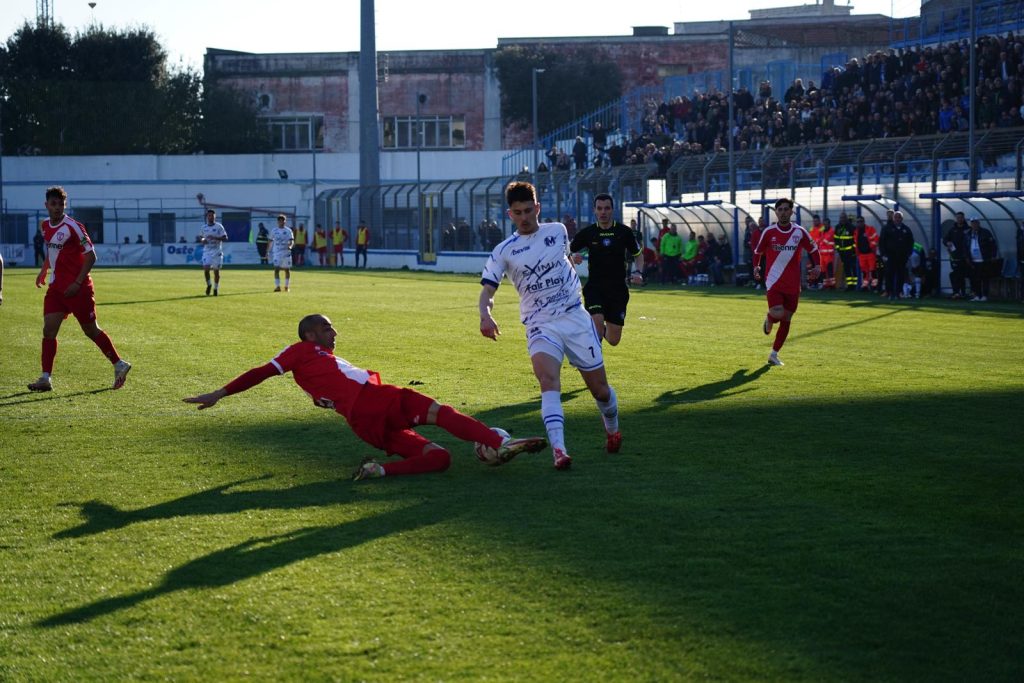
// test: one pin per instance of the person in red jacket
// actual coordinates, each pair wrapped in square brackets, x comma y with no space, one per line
[865,241]
[826,242]
[382,415]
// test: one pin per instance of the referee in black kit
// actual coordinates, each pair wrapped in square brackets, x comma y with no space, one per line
[609,245]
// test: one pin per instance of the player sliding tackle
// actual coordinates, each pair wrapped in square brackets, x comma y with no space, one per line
[382,415]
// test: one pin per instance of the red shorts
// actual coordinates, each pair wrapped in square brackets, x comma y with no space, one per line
[81,305]
[788,300]
[384,413]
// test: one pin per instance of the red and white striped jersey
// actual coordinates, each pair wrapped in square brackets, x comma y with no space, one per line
[67,243]
[781,247]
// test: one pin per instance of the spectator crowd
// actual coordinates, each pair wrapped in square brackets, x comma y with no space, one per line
[884,94]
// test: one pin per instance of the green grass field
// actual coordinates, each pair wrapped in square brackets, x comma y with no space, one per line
[855,515]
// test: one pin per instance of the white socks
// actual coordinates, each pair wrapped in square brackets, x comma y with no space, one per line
[609,412]
[554,418]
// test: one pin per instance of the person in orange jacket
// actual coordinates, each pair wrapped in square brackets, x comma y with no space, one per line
[865,240]
[826,241]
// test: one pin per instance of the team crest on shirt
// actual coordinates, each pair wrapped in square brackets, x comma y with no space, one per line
[549,241]
[607,242]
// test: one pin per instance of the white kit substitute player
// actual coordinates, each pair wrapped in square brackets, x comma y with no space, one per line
[281,241]
[213,236]
[536,259]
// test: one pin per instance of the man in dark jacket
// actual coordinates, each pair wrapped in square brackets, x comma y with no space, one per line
[844,240]
[579,153]
[954,241]
[981,255]
[895,245]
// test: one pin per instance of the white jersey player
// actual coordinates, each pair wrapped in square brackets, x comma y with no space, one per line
[212,235]
[281,240]
[536,260]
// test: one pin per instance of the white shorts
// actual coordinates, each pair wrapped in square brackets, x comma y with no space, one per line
[281,260]
[213,259]
[571,335]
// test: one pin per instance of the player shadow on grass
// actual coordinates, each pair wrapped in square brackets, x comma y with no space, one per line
[260,555]
[834,328]
[177,298]
[100,517]
[708,392]
[48,397]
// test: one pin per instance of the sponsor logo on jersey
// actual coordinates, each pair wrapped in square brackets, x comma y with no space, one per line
[520,251]
[607,242]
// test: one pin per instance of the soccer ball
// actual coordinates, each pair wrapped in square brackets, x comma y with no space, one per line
[485,453]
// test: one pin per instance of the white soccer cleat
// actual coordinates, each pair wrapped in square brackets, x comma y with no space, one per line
[773,359]
[368,469]
[41,384]
[121,369]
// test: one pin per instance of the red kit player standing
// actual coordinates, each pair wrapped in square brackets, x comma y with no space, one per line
[69,258]
[382,415]
[781,244]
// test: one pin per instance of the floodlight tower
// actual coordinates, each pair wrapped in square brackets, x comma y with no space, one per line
[44,13]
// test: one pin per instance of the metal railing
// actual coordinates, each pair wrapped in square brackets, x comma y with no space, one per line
[950,24]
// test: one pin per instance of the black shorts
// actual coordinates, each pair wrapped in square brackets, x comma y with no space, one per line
[607,300]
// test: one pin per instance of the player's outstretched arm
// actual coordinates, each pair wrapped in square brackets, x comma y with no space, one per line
[246,380]
[207,400]
[488,326]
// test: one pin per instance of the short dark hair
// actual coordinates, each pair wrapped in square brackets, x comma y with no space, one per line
[308,323]
[282,217]
[211,211]
[604,196]
[783,200]
[520,191]
[56,191]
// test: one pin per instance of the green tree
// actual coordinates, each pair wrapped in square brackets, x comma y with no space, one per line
[111,91]
[230,122]
[35,67]
[574,82]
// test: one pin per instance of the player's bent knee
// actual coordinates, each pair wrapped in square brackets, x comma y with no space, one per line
[440,458]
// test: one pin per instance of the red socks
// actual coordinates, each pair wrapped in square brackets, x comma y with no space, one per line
[49,353]
[434,460]
[106,346]
[780,336]
[466,428]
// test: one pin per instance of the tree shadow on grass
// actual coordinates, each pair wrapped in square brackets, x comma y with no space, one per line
[258,556]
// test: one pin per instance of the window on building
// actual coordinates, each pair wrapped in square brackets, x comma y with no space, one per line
[438,132]
[296,133]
